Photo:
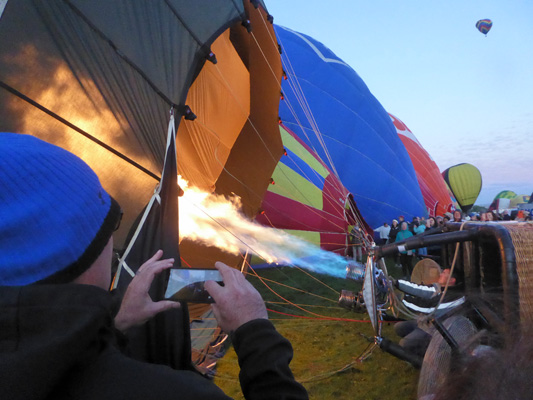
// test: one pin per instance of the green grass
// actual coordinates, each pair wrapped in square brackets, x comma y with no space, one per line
[322,347]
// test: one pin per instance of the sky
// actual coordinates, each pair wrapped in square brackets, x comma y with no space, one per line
[467,97]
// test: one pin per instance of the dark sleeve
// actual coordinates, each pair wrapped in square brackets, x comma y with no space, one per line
[264,357]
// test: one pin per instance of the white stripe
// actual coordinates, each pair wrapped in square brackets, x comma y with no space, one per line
[315,49]
[424,288]
[427,310]
[155,197]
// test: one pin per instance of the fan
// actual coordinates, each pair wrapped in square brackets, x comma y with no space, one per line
[440,355]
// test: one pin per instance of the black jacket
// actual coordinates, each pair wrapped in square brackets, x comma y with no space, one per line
[393,232]
[424,298]
[57,342]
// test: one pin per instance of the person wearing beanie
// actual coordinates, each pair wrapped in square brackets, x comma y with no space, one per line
[58,320]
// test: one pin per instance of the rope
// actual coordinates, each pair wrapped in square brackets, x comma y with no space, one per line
[322,317]
[296,289]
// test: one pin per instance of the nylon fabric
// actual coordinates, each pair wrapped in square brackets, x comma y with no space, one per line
[220,97]
[119,97]
[331,109]
[432,185]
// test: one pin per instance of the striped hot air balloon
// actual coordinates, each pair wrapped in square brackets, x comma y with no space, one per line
[484,25]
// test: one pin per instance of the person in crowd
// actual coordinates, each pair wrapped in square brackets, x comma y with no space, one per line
[58,318]
[383,231]
[414,223]
[483,217]
[395,228]
[423,251]
[432,226]
[421,227]
[492,216]
[506,216]
[440,221]
[425,299]
[405,255]
[356,243]
[457,216]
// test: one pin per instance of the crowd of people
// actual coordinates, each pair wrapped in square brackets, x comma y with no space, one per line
[401,229]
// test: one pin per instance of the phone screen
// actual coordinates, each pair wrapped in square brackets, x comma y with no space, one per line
[187,284]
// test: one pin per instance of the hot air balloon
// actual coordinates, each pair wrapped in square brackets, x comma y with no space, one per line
[329,107]
[465,183]
[484,25]
[505,194]
[520,199]
[432,185]
[502,200]
[307,200]
[114,81]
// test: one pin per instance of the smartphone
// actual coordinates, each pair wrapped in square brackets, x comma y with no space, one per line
[187,284]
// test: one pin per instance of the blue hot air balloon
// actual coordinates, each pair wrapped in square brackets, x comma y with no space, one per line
[331,109]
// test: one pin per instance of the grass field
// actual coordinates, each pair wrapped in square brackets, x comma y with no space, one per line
[327,341]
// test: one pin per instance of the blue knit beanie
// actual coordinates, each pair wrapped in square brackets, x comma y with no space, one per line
[55,217]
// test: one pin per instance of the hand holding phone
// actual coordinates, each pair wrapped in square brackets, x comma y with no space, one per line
[187,284]
[237,302]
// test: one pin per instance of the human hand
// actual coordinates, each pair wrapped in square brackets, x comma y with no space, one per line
[137,306]
[237,302]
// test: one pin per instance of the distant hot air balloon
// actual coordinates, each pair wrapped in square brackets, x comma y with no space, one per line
[502,200]
[484,25]
[464,181]
[505,194]
[520,199]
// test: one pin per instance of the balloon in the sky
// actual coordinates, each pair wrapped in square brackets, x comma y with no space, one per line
[484,25]
[329,107]
[432,185]
[465,183]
